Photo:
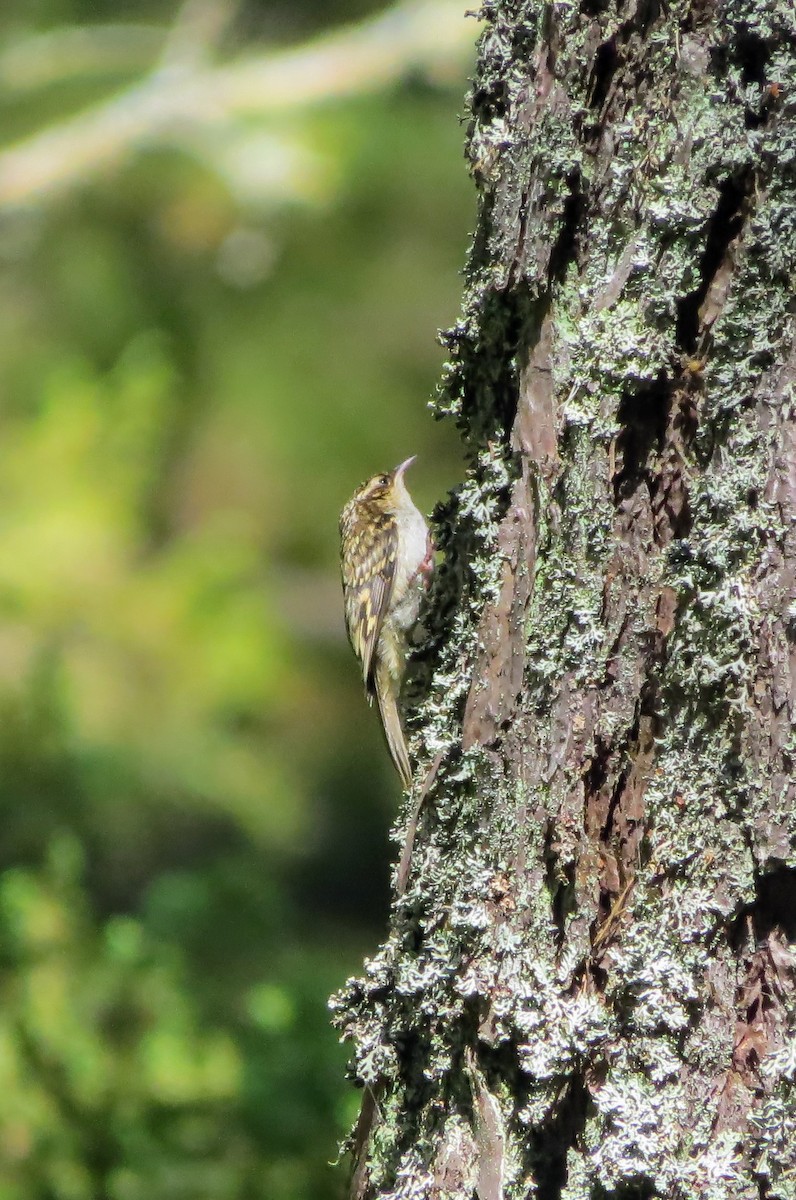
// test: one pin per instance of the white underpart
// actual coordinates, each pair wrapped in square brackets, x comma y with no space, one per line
[412,550]
[408,583]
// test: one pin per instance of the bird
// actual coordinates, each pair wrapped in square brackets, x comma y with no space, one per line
[386,560]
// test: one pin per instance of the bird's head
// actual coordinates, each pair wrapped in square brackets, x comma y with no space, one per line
[386,491]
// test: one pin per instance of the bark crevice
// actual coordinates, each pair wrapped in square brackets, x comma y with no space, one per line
[694,314]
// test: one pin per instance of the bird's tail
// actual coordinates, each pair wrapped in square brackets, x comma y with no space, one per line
[387,696]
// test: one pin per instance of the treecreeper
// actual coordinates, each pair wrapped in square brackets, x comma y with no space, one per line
[386,558]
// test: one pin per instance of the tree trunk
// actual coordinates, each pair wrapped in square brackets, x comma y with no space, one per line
[588,992]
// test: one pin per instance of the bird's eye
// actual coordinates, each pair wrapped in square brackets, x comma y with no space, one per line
[384,480]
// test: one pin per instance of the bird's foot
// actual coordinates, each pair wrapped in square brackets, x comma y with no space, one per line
[426,568]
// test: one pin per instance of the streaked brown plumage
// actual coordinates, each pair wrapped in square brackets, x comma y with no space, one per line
[385,556]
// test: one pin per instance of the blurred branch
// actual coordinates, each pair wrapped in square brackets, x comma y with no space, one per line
[61,54]
[197,30]
[428,37]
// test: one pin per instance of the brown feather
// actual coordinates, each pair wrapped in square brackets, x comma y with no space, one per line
[369,547]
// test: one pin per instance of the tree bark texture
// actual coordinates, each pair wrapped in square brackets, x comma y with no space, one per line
[588,991]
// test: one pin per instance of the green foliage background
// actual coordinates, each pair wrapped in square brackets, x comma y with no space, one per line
[194,798]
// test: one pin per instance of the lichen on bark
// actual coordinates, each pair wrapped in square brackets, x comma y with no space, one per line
[588,988]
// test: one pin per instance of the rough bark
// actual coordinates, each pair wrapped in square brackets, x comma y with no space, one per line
[588,991]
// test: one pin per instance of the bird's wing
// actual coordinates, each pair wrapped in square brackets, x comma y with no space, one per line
[369,549]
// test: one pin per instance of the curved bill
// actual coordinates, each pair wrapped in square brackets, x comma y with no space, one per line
[398,472]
